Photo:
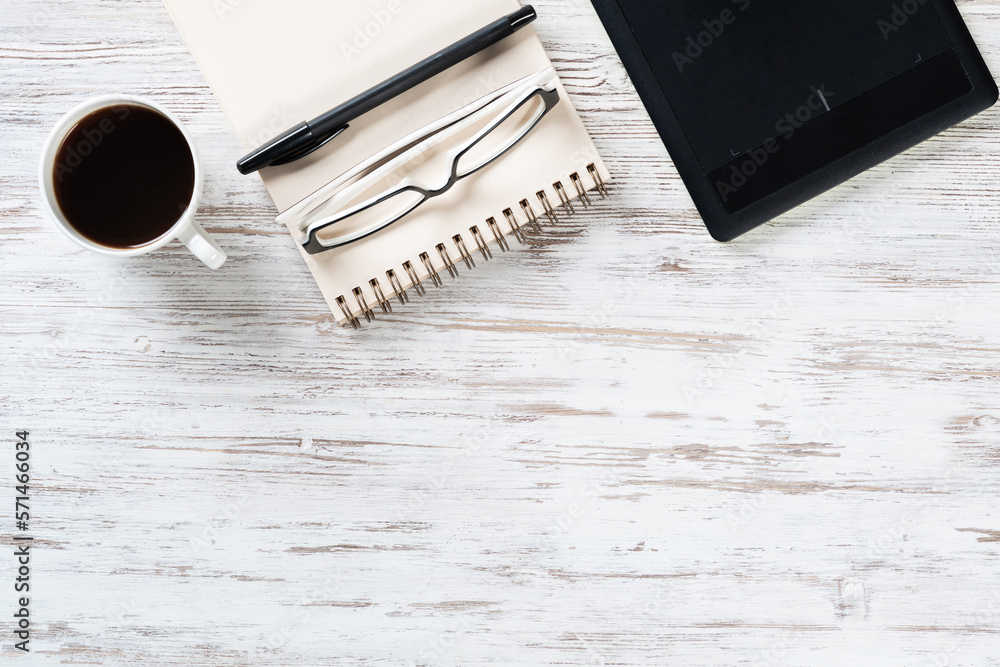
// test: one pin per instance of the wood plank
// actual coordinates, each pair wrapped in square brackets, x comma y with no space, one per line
[621,444]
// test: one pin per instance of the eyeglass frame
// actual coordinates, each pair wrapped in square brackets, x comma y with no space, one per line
[550,97]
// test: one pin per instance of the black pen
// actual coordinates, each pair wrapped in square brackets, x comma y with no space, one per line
[306,138]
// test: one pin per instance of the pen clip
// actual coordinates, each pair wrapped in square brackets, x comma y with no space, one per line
[288,159]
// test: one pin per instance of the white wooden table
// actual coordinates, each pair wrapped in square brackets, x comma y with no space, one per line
[624,444]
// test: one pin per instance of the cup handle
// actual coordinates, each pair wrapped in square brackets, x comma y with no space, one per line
[202,245]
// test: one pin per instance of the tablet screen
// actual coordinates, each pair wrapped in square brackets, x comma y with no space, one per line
[738,73]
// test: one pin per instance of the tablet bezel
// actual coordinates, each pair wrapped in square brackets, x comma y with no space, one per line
[725,226]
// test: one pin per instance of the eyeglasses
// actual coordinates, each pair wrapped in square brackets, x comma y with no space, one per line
[471,140]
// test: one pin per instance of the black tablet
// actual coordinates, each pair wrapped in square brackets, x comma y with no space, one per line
[764,104]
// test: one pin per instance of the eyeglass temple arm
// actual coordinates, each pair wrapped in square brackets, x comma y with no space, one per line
[312,244]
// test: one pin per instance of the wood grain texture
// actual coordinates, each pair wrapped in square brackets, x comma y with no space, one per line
[624,444]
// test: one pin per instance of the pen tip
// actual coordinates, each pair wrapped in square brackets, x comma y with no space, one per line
[523,17]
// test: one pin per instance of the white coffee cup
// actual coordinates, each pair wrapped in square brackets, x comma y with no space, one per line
[186,229]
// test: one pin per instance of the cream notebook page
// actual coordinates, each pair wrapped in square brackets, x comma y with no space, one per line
[270,69]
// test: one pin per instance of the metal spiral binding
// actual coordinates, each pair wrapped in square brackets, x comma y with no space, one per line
[363,304]
[514,226]
[415,279]
[596,175]
[446,258]
[497,234]
[481,243]
[580,190]
[466,255]
[397,287]
[431,271]
[549,211]
[563,197]
[517,229]
[380,295]
[342,302]
[530,212]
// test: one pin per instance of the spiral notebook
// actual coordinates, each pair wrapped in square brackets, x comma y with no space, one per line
[260,59]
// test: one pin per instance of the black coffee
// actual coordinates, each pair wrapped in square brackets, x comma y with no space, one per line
[123,176]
